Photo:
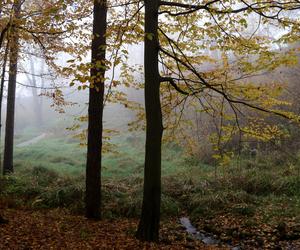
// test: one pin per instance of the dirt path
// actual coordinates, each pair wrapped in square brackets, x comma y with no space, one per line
[31,141]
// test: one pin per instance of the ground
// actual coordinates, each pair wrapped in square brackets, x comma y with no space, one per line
[253,203]
[56,229]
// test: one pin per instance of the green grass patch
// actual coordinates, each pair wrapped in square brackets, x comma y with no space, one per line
[51,172]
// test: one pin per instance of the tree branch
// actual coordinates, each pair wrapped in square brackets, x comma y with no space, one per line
[175,86]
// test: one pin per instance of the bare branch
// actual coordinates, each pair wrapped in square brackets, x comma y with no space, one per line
[175,86]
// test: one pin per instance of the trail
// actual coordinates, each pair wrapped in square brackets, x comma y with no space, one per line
[31,141]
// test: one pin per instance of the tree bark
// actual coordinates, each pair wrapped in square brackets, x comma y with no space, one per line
[148,229]
[95,112]
[11,95]
[1,91]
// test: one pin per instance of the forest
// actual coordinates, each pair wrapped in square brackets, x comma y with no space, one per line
[150,124]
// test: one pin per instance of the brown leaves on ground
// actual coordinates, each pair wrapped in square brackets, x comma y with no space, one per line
[253,232]
[56,229]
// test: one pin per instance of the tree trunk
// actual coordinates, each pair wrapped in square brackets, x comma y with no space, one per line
[95,112]
[1,90]
[148,228]
[11,95]
[36,98]
[2,220]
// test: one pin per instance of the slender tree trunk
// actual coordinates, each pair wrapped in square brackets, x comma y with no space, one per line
[11,96]
[2,220]
[1,91]
[95,112]
[36,98]
[2,34]
[148,228]
[42,69]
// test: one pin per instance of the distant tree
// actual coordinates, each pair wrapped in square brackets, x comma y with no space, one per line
[95,111]
[37,100]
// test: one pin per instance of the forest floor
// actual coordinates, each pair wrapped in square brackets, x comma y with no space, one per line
[253,232]
[56,229]
[254,203]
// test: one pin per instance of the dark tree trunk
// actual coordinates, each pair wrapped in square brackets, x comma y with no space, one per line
[4,30]
[2,220]
[95,112]
[1,90]
[11,96]
[148,228]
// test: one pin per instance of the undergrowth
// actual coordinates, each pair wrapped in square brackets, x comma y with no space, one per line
[50,174]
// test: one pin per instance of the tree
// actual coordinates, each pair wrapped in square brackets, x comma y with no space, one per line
[37,101]
[43,26]
[177,50]
[11,93]
[108,41]
[95,111]
[149,223]
[2,89]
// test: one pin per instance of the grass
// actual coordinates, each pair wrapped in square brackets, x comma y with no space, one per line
[50,173]
[52,153]
[65,156]
[26,134]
